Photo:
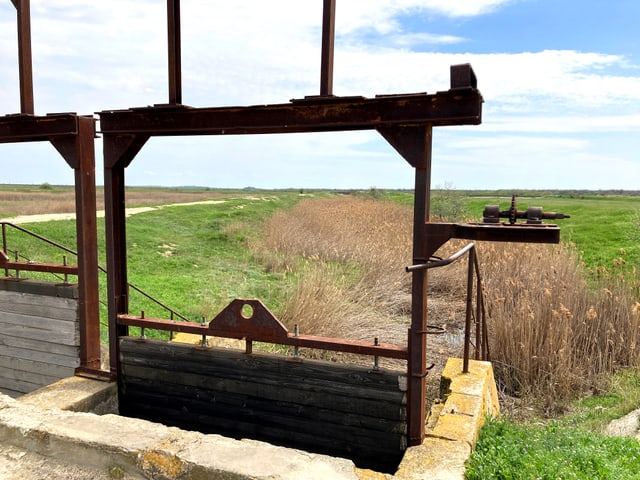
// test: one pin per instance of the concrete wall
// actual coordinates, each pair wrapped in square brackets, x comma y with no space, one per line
[39,334]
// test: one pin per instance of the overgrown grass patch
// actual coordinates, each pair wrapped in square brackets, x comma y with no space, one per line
[594,412]
[507,450]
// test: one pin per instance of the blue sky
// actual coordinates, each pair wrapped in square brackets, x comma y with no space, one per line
[560,79]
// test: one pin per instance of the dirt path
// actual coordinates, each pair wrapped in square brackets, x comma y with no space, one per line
[47,217]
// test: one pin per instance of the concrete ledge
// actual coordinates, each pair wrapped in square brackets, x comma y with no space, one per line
[452,429]
[76,394]
[139,449]
[51,423]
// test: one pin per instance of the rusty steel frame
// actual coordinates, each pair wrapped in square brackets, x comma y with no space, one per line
[406,121]
[260,325]
[73,137]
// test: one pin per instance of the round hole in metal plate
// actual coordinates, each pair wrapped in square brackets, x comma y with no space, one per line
[246,311]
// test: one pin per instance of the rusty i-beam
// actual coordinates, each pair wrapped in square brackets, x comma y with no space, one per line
[406,121]
[73,137]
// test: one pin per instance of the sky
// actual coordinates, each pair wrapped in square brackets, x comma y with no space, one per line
[560,81]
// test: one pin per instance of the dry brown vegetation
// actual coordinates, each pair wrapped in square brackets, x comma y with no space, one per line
[47,199]
[552,335]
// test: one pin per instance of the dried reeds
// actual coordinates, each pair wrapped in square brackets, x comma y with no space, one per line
[553,335]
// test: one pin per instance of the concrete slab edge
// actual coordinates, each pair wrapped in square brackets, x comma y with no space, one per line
[140,449]
[454,424]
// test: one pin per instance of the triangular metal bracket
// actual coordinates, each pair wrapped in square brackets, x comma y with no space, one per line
[250,320]
[413,142]
[123,148]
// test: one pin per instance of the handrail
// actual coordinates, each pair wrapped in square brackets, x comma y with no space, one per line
[46,268]
[481,341]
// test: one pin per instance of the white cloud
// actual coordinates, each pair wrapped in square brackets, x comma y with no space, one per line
[539,105]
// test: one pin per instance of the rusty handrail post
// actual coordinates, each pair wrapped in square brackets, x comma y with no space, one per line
[481,313]
[478,318]
[467,325]
[4,246]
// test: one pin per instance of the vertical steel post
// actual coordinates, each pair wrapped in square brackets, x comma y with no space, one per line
[78,150]
[87,245]
[175,62]
[119,151]
[328,36]
[117,295]
[417,343]
[24,56]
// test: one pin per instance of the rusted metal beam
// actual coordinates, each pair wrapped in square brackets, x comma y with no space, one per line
[38,267]
[175,56]
[328,37]
[313,115]
[27,128]
[437,234]
[302,341]
[116,251]
[25,67]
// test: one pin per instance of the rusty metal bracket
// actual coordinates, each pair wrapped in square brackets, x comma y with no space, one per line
[251,320]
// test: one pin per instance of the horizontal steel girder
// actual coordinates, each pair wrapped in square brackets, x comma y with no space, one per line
[312,114]
[30,128]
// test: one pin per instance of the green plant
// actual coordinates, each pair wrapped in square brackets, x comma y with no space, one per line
[506,450]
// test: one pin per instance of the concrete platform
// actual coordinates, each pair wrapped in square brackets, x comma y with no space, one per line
[47,425]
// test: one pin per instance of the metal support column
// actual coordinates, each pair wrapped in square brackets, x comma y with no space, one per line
[328,35]
[78,151]
[119,151]
[417,365]
[24,55]
[175,62]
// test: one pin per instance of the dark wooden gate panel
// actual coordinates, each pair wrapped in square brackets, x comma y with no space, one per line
[324,407]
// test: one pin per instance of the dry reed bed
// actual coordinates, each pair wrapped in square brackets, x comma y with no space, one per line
[552,335]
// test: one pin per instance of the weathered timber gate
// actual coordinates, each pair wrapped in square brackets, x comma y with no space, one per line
[73,137]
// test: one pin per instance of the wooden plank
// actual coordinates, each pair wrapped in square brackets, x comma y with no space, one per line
[198,408]
[11,393]
[270,373]
[229,359]
[274,390]
[342,410]
[362,419]
[38,377]
[70,360]
[37,345]
[18,364]
[50,336]
[18,385]
[39,323]
[365,454]
[39,306]
[39,288]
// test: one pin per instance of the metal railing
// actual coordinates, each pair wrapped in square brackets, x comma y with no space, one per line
[478,316]
[64,268]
